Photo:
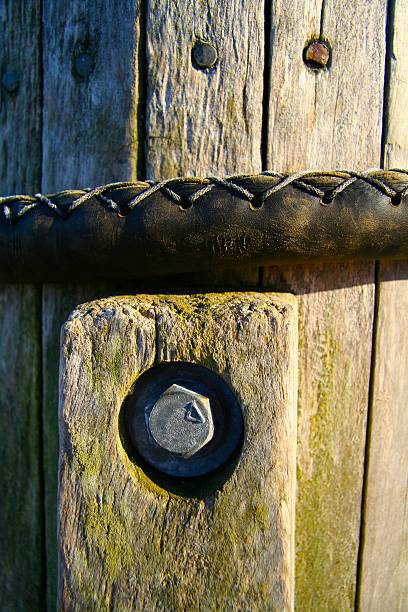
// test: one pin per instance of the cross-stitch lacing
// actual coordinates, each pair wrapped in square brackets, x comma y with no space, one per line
[16,206]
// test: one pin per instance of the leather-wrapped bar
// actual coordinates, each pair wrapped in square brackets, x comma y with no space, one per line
[181,225]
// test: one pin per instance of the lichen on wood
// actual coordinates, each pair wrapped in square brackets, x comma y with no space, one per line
[125,541]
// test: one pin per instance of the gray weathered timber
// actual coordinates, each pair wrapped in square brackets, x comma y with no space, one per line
[21,518]
[91,135]
[335,314]
[57,302]
[330,117]
[90,123]
[396,120]
[125,542]
[204,121]
[22,561]
[384,566]
[20,116]
[20,167]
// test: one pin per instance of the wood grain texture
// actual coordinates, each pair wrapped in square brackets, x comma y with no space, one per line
[335,331]
[317,119]
[91,135]
[205,122]
[20,116]
[127,544]
[201,122]
[57,302]
[90,122]
[384,571]
[384,564]
[21,511]
[396,120]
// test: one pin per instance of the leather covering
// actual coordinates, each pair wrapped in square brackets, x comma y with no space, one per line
[142,229]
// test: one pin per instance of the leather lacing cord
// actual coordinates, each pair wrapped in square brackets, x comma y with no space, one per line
[14,207]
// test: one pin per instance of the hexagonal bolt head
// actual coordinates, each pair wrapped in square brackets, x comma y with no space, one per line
[181,421]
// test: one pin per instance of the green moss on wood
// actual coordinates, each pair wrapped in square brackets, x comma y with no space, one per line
[178,550]
[326,495]
[107,534]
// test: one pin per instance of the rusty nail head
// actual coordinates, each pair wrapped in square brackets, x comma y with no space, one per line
[204,55]
[317,55]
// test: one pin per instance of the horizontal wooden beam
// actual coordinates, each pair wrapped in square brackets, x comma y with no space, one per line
[180,225]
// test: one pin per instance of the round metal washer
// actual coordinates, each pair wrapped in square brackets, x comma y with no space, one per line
[228,422]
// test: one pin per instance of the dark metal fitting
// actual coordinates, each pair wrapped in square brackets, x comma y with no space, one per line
[84,64]
[204,55]
[10,81]
[183,420]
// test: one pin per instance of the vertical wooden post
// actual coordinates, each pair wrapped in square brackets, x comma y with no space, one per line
[91,120]
[21,508]
[128,542]
[330,117]
[384,559]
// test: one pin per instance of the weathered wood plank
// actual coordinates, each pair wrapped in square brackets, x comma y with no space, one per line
[57,302]
[328,118]
[126,543]
[21,513]
[384,568]
[317,119]
[209,121]
[384,560]
[20,168]
[91,136]
[335,328]
[396,120]
[204,121]
[91,93]
[21,508]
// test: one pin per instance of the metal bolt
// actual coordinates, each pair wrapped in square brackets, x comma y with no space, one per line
[10,81]
[204,55]
[317,55]
[84,64]
[181,421]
